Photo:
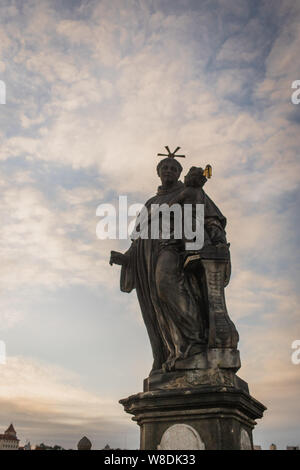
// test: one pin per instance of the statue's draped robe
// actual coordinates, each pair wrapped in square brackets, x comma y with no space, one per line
[171,300]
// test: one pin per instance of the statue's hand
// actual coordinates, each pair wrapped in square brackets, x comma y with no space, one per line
[118,258]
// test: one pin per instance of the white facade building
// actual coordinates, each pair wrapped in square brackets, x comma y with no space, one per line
[9,440]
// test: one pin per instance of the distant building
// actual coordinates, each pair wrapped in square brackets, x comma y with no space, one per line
[26,446]
[43,446]
[273,447]
[292,447]
[84,444]
[9,440]
[256,447]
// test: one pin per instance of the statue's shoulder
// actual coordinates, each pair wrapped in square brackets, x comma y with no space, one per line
[150,201]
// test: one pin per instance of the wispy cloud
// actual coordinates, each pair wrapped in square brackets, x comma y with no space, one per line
[48,404]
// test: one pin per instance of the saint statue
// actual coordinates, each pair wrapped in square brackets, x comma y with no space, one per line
[181,292]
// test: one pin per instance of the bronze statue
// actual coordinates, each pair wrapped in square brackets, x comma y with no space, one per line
[181,292]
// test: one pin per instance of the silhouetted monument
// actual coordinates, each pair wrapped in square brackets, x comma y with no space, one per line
[193,398]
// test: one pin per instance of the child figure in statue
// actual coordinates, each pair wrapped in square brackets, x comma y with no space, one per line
[192,193]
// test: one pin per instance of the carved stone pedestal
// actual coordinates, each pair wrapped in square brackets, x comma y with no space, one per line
[211,417]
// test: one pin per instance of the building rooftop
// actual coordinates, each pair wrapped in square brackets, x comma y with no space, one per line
[10,434]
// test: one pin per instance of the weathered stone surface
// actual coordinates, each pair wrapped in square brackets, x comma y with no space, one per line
[245,441]
[186,379]
[217,413]
[181,437]
[223,358]
[212,367]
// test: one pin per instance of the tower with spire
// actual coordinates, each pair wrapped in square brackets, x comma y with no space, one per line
[9,440]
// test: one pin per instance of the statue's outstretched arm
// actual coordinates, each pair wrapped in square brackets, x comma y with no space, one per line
[127,261]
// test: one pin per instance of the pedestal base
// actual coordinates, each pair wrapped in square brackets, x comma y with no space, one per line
[205,417]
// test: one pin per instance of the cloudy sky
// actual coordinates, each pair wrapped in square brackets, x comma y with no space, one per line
[94,89]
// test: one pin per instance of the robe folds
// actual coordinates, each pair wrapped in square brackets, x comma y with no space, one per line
[171,300]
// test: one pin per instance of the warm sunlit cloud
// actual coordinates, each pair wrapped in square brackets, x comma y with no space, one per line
[45,401]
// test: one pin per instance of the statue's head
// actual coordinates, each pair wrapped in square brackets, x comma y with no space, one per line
[195,177]
[169,171]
